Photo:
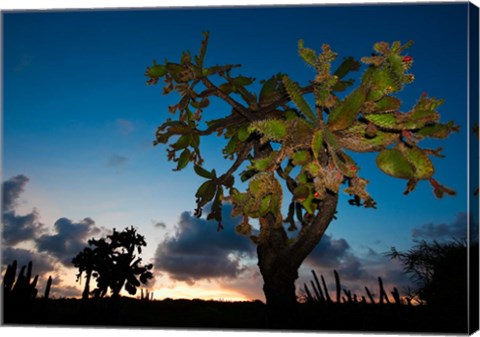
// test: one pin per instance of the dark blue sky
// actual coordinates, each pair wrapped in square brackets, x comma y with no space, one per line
[78,119]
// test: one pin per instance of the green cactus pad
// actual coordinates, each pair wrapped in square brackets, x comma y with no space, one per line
[262,164]
[301,192]
[387,104]
[243,133]
[331,140]
[384,120]
[156,71]
[313,168]
[206,192]
[183,159]
[422,164]
[394,163]
[437,130]
[345,164]
[273,129]
[265,205]
[355,139]
[317,143]
[299,130]
[396,70]
[268,92]
[349,64]
[301,157]
[295,94]
[345,113]
[418,118]
[264,195]
[308,204]
[307,54]
[412,120]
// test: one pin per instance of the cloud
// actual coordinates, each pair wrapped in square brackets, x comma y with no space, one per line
[42,264]
[336,254]
[197,251]
[443,231]
[48,251]
[65,291]
[17,228]
[329,252]
[11,190]
[357,270]
[380,264]
[124,126]
[159,224]
[116,160]
[69,240]
[248,283]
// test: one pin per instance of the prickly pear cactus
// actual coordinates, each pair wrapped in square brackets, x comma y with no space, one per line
[287,142]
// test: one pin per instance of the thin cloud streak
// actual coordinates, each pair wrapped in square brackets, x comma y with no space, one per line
[443,231]
[116,160]
[124,126]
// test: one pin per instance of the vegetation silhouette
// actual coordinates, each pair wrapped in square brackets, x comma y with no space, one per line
[447,277]
[19,292]
[440,271]
[348,314]
[279,140]
[317,293]
[113,263]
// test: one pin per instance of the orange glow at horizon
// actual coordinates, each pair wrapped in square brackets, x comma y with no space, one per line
[202,293]
[164,288]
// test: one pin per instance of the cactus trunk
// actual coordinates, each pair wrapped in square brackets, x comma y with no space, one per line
[279,289]
[279,275]
[280,258]
[86,290]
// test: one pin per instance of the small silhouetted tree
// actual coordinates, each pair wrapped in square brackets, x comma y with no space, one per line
[439,270]
[113,262]
[291,151]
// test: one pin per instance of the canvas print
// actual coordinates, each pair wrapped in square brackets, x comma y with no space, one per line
[255,168]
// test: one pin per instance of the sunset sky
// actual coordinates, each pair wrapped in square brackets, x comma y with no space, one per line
[79,122]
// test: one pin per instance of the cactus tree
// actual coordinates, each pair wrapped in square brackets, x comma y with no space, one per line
[290,152]
[113,262]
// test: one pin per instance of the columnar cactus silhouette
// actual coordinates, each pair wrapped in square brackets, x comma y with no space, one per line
[288,142]
[21,288]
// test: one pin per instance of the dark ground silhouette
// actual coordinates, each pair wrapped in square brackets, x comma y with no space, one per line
[129,312]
